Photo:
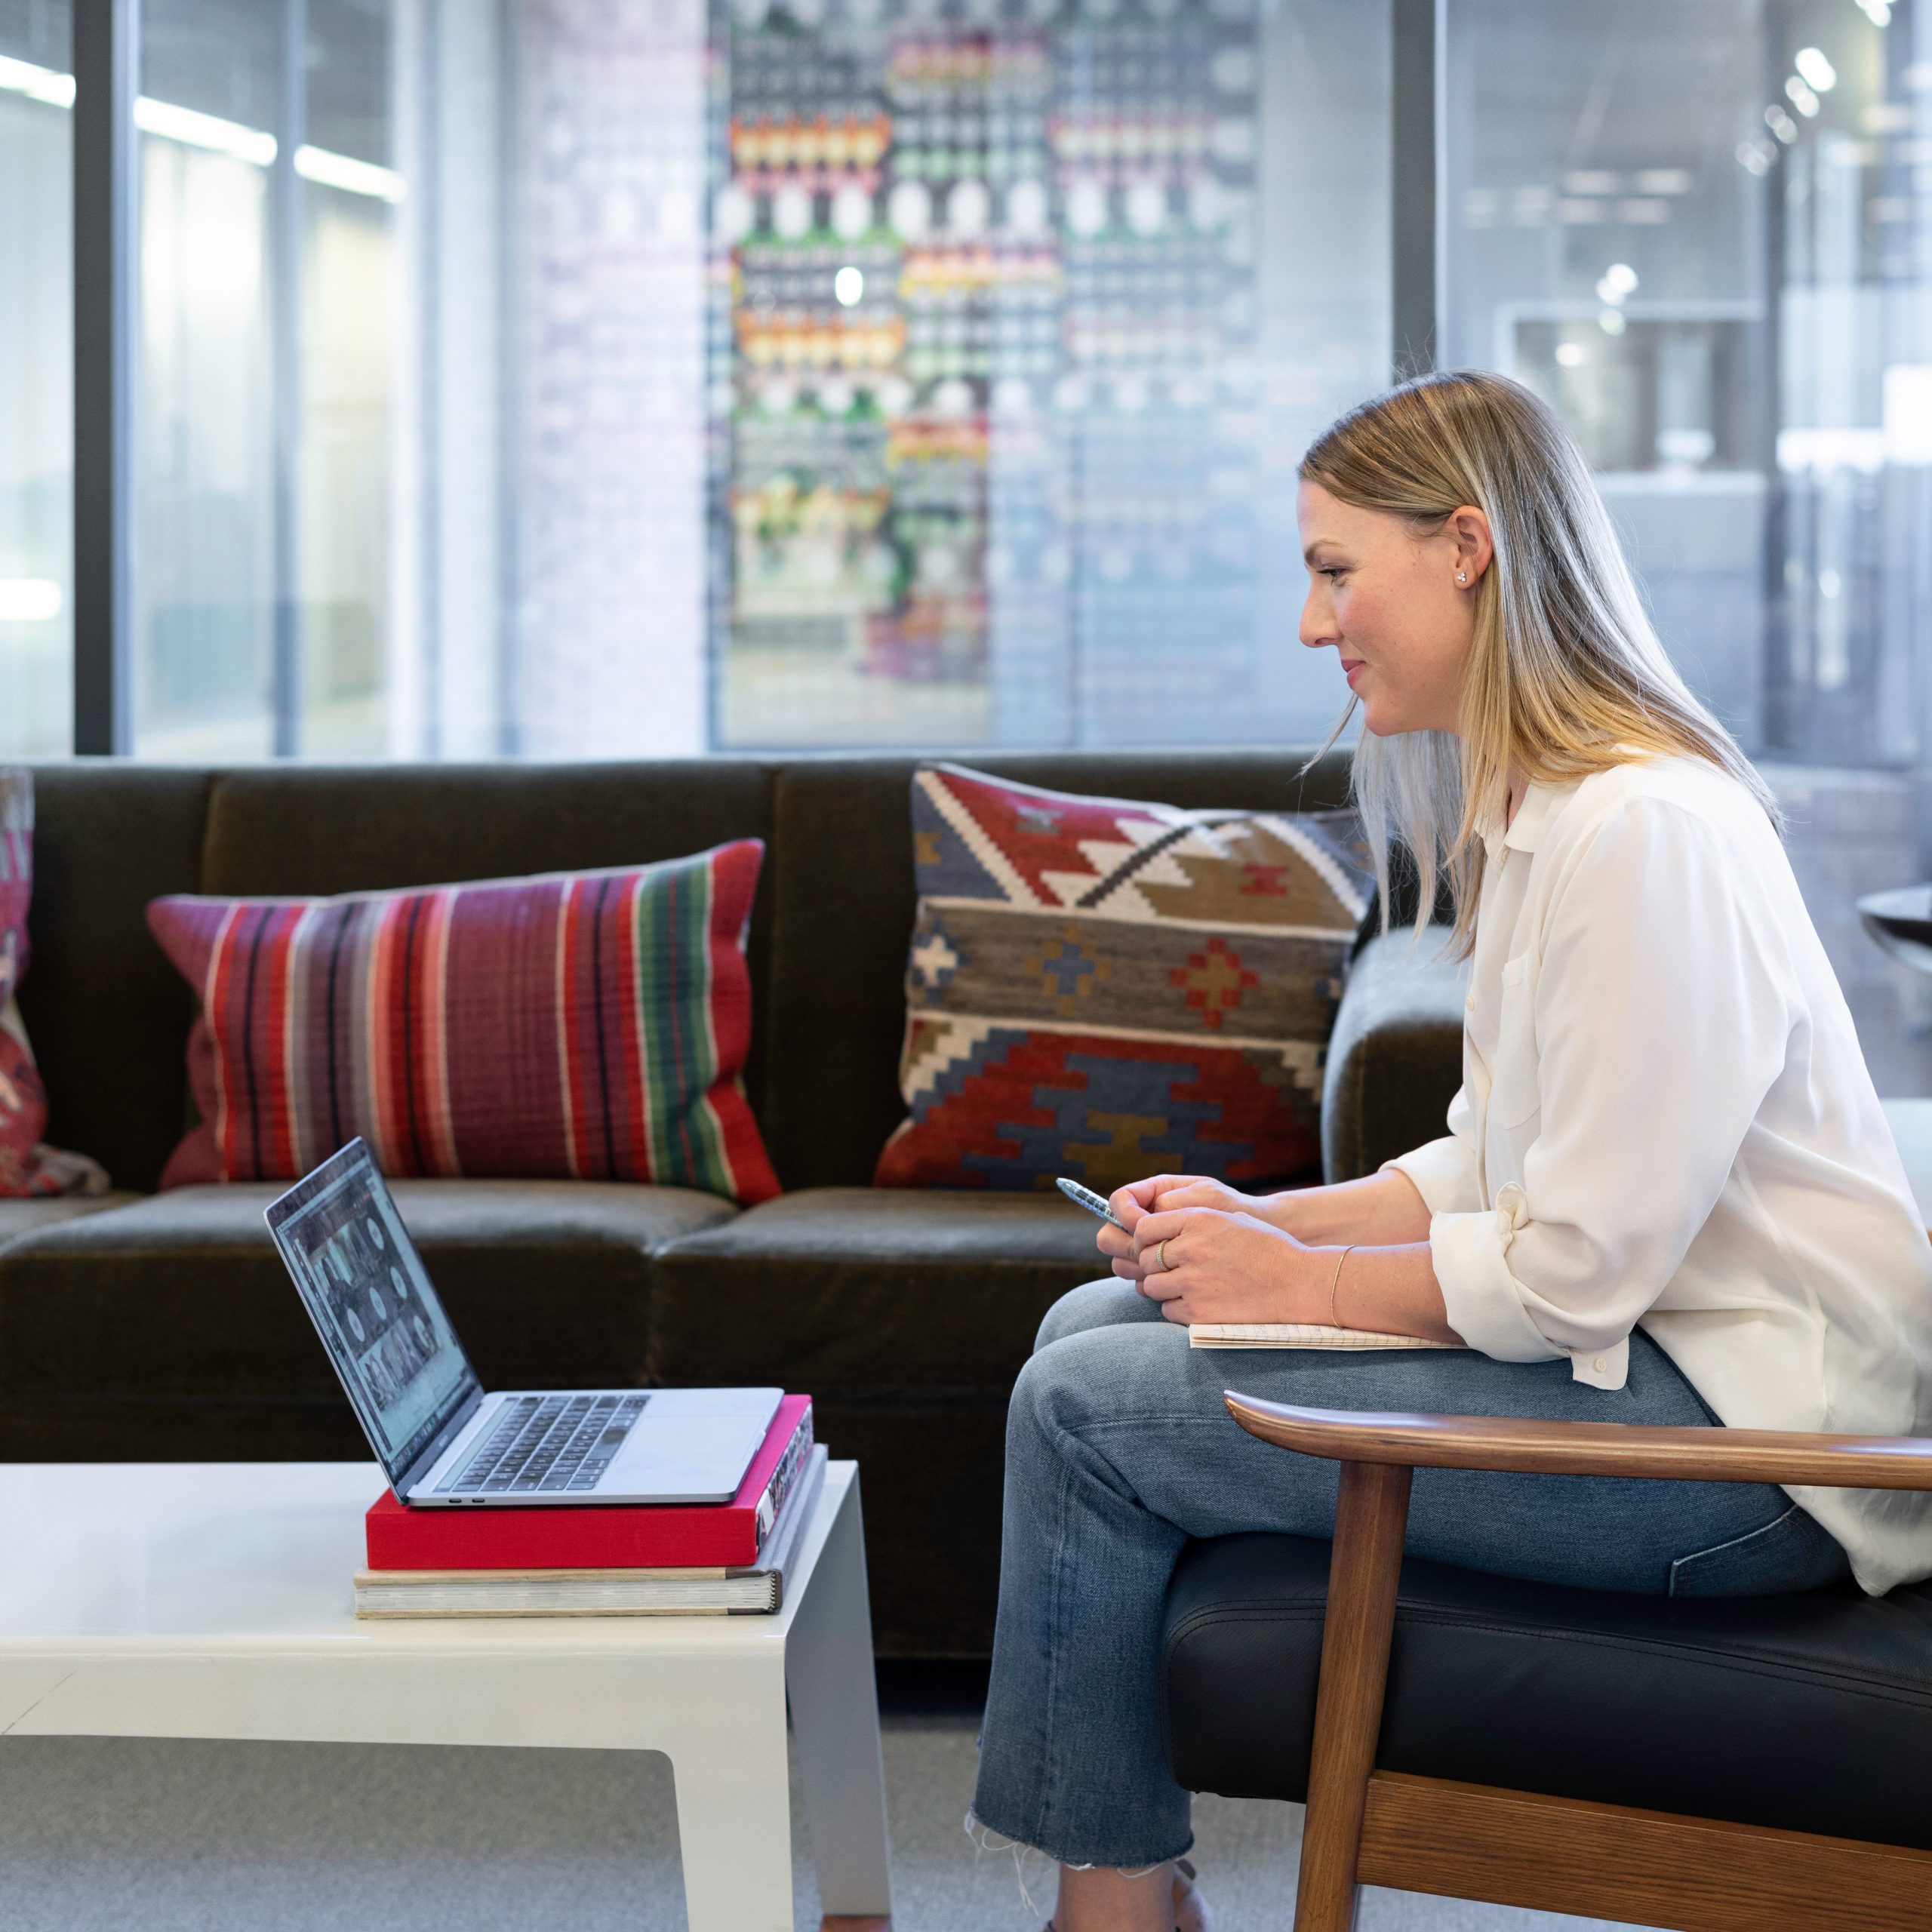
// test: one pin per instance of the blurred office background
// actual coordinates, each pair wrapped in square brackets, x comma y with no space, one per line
[635,377]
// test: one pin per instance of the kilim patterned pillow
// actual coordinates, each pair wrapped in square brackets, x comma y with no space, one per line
[1105,990]
[587,1026]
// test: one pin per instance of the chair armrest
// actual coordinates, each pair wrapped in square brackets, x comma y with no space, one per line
[1591,1449]
[1395,1057]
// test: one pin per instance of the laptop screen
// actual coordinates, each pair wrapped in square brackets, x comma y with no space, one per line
[365,1286]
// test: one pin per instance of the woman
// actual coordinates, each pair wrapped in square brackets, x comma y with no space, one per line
[1667,1195]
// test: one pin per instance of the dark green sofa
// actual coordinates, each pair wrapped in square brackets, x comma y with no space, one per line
[161,1326]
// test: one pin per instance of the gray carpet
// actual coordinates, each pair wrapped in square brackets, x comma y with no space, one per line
[98,1835]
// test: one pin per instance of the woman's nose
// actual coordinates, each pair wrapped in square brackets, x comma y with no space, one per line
[1317,629]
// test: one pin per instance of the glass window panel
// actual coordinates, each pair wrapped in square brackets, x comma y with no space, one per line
[205,569]
[36,353]
[350,193]
[1017,342]
[1606,246]
[1702,229]
[266,365]
[609,422]
[529,443]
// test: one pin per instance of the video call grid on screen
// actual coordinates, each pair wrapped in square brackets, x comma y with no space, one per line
[378,1315]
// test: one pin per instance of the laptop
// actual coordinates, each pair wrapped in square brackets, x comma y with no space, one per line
[443,1441]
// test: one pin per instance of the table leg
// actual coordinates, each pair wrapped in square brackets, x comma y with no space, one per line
[734,1801]
[834,1725]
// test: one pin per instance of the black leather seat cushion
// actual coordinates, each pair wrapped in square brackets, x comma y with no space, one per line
[1811,1713]
[167,1329]
[876,1289]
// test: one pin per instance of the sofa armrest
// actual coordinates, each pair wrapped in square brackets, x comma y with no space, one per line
[1591,1449]
[1395,1056]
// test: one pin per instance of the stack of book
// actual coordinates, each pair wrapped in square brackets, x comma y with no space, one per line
[721,1559]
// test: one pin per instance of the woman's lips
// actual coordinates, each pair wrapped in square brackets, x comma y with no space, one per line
[1350,667]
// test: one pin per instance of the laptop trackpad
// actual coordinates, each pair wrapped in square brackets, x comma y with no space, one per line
[685,1459]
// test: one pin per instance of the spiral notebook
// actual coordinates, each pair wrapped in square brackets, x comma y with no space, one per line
[1298,1335]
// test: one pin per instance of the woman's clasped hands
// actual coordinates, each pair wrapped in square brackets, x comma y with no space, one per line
[1204,1253]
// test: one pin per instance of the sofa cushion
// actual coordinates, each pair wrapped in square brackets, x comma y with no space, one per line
[1809,1713]
[872,1290]
[182,1296]
[842,908]
[23,1217]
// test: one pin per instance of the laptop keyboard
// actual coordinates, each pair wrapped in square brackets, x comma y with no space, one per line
[548,1443]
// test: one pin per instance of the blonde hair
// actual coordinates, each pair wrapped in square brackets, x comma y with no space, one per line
[1565,675]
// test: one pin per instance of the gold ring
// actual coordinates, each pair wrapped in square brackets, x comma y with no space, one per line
[1160,1255]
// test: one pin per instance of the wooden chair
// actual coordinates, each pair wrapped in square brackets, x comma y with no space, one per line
[1440,1834]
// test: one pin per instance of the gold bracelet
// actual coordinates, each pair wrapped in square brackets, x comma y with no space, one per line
[1335,1279]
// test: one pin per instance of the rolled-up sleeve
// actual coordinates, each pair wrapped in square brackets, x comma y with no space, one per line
[1661,1011]
[1443,1172]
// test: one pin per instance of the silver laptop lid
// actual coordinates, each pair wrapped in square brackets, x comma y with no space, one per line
[364,1285]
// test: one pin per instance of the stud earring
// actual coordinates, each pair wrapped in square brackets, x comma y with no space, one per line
[1462,576]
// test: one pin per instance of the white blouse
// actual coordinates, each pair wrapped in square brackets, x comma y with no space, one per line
[1665,1120]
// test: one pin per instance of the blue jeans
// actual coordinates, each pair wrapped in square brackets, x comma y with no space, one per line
[1119,1451]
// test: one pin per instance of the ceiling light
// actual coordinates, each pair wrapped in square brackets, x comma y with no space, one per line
[204,131]
[28,600]
[1820,74]
[353,177]
[1907,414]
[1801,97]
[36,83]
[1571,354]
[1619,280]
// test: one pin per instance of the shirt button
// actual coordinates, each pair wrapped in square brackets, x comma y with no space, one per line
[1471,1002]
[1600,1365]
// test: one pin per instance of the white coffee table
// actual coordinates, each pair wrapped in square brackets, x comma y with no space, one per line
[213,1600]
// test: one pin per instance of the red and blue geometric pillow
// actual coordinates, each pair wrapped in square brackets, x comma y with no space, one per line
[587,1026]
[1106,988]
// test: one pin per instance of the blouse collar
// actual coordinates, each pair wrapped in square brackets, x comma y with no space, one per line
[1541,805]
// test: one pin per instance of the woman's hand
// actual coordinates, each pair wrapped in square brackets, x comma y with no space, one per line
[1202,1264]
[1118,1247]
[1384,1207]
[1163,1194]
[1160,1193]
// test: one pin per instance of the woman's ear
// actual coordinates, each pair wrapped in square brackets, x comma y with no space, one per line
[1474,549]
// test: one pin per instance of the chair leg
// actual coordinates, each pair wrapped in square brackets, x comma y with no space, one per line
[1370,1519]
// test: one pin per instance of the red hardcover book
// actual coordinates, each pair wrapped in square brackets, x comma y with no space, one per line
[604,1536]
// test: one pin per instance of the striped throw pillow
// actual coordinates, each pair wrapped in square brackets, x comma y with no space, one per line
[590,1025]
